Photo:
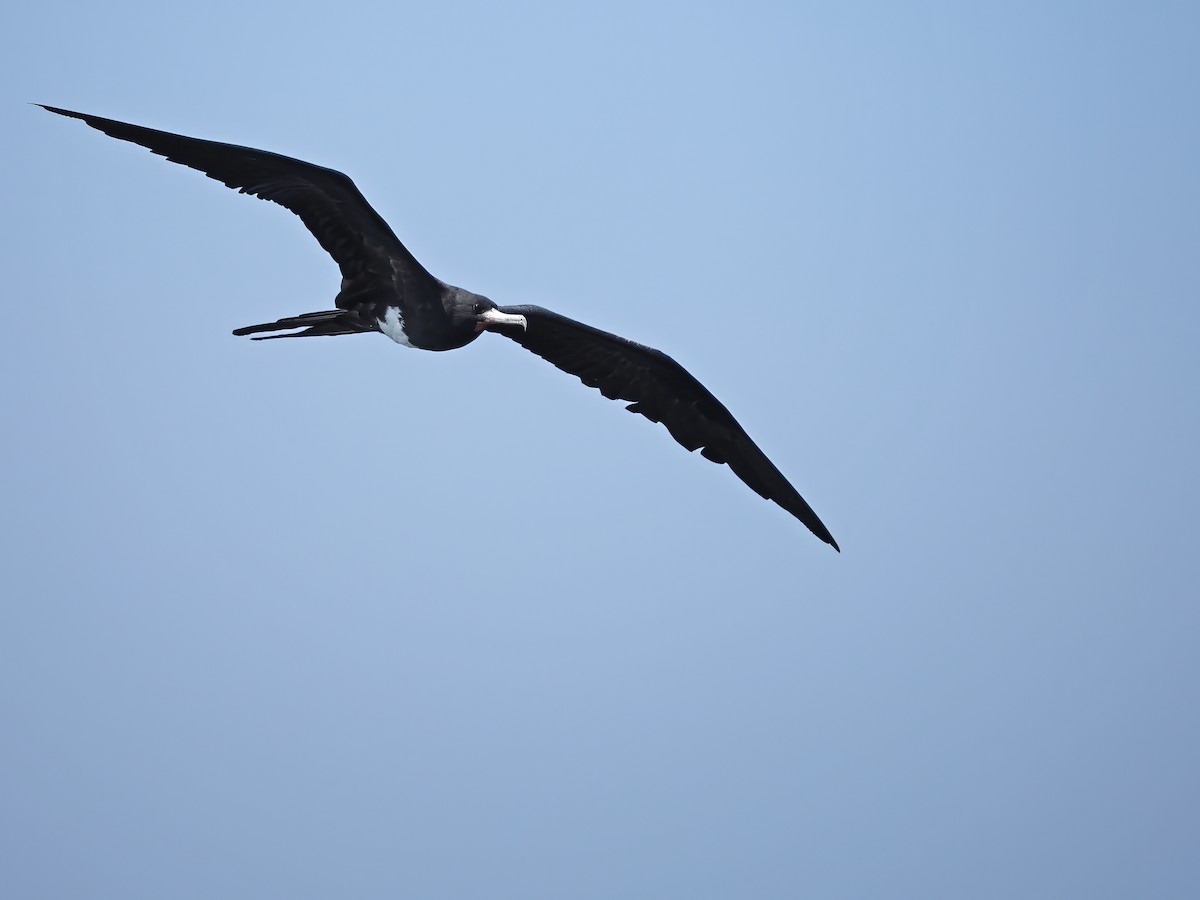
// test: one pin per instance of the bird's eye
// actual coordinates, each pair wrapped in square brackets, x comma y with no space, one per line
[478,308]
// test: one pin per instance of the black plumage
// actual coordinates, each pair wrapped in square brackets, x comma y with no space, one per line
[384,288]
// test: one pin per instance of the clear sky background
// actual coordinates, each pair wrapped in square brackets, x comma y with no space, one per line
[333,618]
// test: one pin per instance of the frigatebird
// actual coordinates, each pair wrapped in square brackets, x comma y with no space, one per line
[385,289]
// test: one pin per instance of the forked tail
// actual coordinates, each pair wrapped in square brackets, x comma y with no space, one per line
[315,324]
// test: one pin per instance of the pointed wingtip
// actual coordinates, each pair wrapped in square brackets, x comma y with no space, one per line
[71,114]
[823,533]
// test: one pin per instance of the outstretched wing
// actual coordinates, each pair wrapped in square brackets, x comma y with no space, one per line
[370,256]
[662,391]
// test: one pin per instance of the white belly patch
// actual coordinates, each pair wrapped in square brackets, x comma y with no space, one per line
[393,326]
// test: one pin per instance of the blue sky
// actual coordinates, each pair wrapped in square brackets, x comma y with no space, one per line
[336,618]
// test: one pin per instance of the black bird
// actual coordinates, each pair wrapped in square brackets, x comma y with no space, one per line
[385,289]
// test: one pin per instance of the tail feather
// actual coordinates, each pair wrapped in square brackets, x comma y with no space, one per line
[315,324]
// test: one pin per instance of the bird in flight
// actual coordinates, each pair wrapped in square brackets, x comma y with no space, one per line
[385,289]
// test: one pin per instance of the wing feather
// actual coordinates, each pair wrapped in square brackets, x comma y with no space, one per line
[663,391]
[372,259]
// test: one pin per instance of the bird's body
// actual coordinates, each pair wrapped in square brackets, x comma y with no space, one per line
[385,289]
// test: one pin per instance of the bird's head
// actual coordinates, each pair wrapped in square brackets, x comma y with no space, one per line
[485,314]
